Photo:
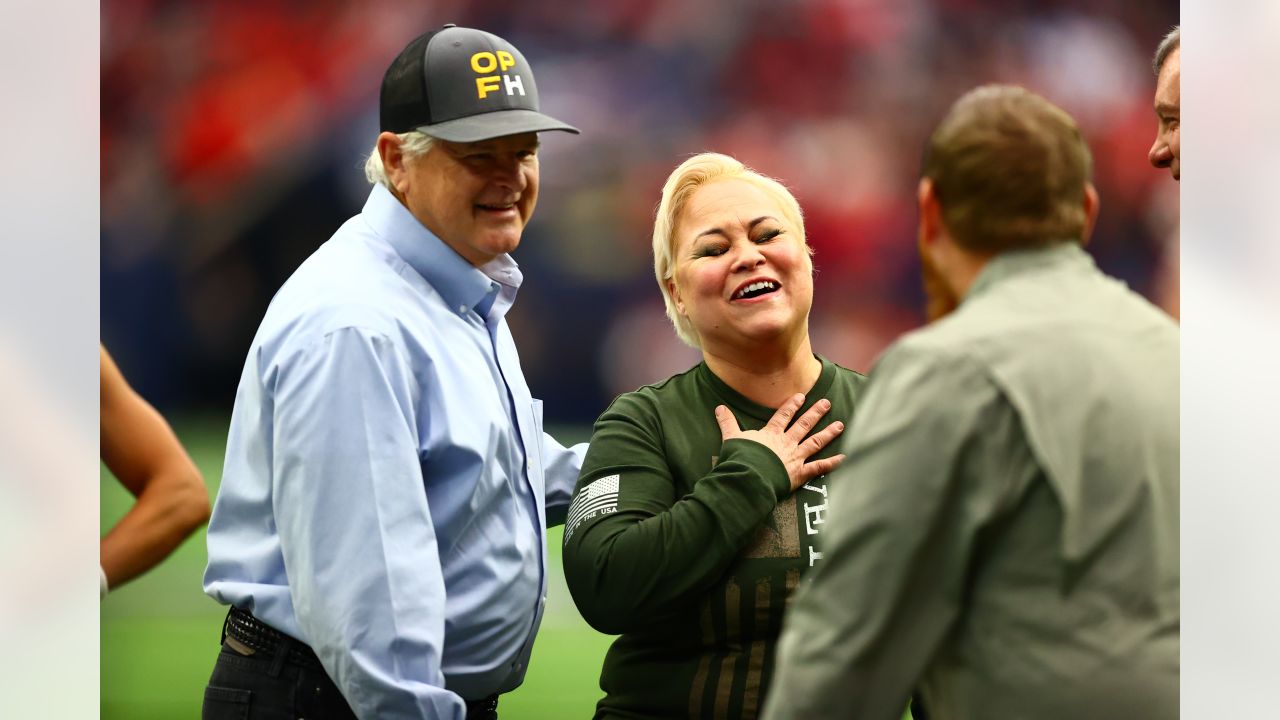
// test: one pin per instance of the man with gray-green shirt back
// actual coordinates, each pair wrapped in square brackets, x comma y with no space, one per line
[1004,535]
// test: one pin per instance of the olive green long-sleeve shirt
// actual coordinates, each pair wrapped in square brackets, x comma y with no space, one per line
[689,546]
[1004,535]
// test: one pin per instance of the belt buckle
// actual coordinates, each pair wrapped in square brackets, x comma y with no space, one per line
[239,647]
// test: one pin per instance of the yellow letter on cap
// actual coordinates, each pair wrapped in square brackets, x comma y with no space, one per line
[487,59]
[485,85]
[505,59]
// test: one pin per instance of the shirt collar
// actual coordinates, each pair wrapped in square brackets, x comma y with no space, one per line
[750,407]
[462,285]
[1016,262]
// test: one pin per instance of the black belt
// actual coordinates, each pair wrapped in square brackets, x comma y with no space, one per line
[262,638]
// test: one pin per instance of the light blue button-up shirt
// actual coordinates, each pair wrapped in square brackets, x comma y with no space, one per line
[387,484]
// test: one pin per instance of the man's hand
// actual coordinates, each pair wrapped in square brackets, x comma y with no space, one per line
[788,440]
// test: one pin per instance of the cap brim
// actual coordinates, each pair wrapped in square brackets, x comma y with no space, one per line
[498,123]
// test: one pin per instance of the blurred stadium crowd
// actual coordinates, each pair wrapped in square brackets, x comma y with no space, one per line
[233,136]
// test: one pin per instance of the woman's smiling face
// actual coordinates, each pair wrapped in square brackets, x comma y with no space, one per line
[742,270]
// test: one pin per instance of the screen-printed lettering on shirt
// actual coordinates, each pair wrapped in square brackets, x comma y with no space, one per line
[814,502]
[598,498]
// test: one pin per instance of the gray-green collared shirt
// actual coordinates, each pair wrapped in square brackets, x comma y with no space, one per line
[1004,534]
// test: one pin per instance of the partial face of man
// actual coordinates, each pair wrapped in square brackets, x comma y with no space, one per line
[1166,150]
[476,197]
[940,299]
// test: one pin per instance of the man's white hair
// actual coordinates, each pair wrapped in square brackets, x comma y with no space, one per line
[413,144]
[1171,42]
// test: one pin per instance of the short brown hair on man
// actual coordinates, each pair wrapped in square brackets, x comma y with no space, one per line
[1009,169]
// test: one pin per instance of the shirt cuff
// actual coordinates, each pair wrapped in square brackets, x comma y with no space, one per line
[763,460]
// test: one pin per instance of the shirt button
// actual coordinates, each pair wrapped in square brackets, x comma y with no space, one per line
[462,309]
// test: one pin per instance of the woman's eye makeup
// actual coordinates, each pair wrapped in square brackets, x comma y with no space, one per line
[713,248]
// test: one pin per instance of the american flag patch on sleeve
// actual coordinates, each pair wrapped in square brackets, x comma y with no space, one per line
[600,497]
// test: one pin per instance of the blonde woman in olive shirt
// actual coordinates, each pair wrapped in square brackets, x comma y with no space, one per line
[687,533]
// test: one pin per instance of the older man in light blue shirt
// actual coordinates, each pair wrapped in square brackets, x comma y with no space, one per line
[380,526]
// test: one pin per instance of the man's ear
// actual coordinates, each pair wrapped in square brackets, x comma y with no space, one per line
[675,295]
[930,212]
[1091,206]
[393,161]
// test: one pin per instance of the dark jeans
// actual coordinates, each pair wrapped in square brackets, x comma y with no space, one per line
[275,687]
[284,683]
[917,708]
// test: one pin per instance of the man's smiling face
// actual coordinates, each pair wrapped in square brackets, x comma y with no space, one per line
[476,197]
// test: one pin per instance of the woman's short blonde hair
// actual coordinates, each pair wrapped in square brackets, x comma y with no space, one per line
[684,181]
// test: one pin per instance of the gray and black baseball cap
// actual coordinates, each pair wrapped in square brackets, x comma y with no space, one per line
[462,85]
